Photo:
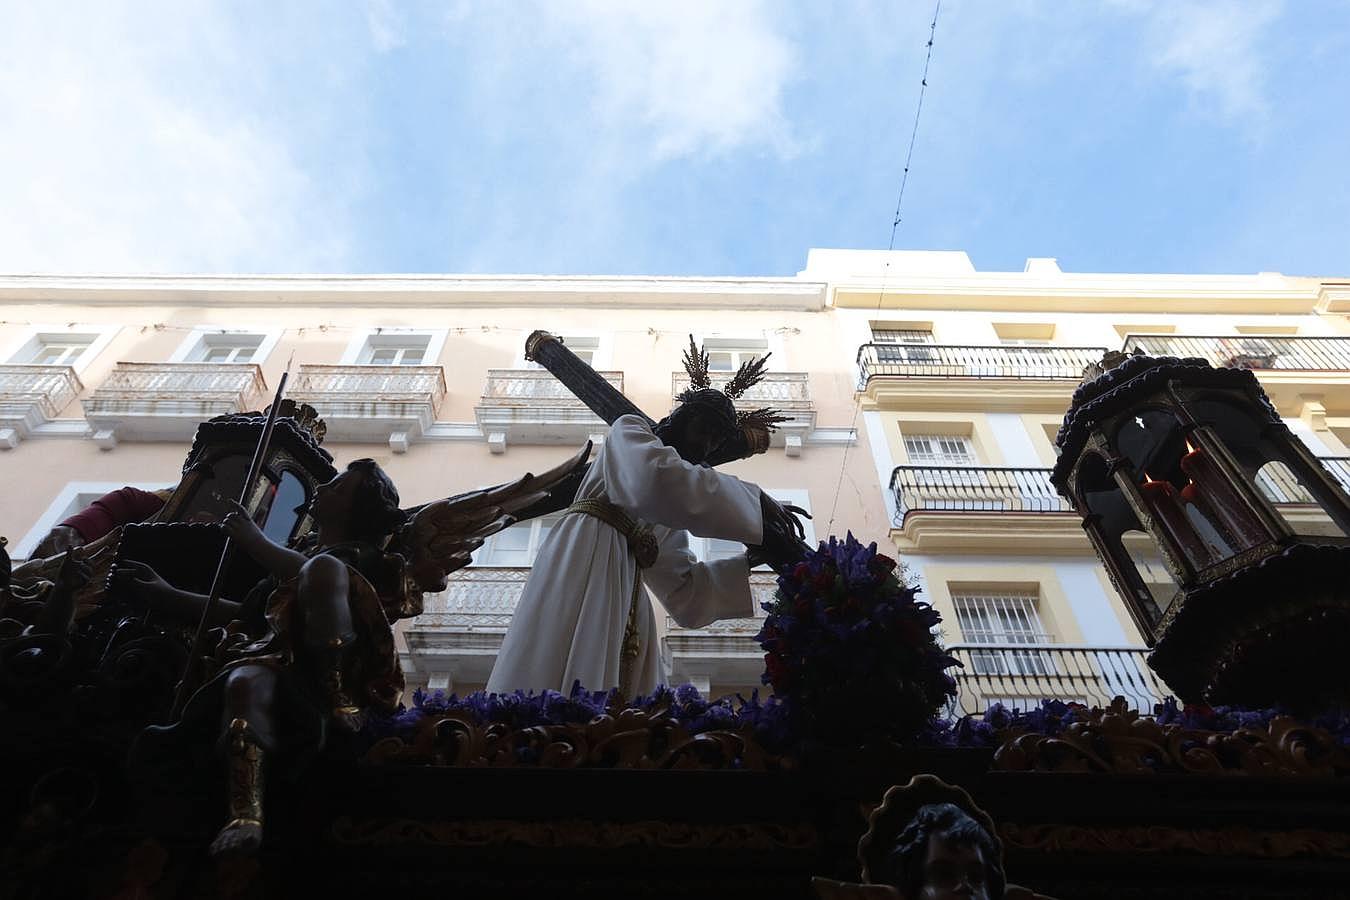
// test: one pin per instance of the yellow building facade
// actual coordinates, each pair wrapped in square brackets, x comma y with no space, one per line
[923,399]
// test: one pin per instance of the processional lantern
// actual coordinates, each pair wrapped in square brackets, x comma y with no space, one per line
[1225,536]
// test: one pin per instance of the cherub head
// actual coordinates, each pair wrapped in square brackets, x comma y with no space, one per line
[943,853]
[361,503]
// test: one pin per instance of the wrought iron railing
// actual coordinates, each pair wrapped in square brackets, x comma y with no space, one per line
[974,489]
[49,388]
[969,361]
[534,387]
[1023,675]
[782,390]
[388,384]
[138,384]
[1279,352]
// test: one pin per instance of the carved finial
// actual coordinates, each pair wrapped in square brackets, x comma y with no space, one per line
[534,340]
[1110,359]
[305,416]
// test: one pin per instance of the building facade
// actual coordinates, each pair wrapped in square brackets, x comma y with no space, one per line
[923,399]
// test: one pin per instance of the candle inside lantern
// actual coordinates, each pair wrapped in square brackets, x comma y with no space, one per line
[1163,501]
[1216,496]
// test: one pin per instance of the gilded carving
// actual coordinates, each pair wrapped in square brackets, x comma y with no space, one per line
[1118,740]
[384,832]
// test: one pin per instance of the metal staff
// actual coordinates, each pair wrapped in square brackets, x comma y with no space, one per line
[227,553]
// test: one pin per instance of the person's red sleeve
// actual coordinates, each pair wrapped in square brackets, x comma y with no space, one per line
[115,508]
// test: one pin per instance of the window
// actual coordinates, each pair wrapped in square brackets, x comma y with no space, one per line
[904,345]
[939,450]
[517,546]
[729,354]
[1002,618]
[583,347]
[227,348]
[395,350]
[55,349]
[711,549]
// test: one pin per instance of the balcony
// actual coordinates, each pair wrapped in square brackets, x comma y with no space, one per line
[455,640]
[950,508]
[945,508]
[952,377]
[1020,675]
[166,401]
[722,654]
[31,396]
[787,392]
[372,403]
[530,406]
[1292,369]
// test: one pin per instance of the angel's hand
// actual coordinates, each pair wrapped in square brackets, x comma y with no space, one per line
[242,529]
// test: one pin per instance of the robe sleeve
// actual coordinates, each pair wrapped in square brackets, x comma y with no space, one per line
[694,593]
[652,482]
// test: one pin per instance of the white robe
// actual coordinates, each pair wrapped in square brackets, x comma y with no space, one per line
[569,623]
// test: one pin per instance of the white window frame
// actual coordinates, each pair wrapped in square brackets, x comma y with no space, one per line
[600,344]
[743,345]
[709,549]
[361,344]
[72,498]
[194,347]
[999,607]
[939,455]
[483,556]
[35,336]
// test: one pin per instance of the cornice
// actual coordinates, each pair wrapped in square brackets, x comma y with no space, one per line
[1247,294]
[415,291]
[1033,533]
[941,394]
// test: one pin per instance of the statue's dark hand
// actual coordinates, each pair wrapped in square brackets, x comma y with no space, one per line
[782,518]
[143,584]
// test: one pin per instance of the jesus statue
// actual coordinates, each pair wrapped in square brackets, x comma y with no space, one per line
[583,615]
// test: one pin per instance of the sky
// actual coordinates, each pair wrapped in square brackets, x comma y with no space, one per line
[683,138]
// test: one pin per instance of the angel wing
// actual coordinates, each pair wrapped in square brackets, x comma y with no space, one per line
[441,536]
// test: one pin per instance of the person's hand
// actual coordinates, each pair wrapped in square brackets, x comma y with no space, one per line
[241,528]
[142,583]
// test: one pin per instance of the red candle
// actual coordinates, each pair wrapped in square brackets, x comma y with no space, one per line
[1161,498]
[1217,496]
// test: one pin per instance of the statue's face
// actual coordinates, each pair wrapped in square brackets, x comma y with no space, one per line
[333,500]
[696,436]
[953,870]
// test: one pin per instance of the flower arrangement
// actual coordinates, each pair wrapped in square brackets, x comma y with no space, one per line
[851,651]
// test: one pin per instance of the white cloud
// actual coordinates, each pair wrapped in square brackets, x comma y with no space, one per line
[388,30]
[1214,46]
[690,78]
[135,141]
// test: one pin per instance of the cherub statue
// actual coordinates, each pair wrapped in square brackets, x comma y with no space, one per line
[311,648]
[928,841]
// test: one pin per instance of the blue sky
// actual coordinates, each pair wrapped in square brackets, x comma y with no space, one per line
[679,138]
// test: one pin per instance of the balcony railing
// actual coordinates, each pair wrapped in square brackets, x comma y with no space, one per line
[535,388]
[530,406]
[968,361]
[1278,352]
[973,489]
[31,395]
[1022,675]
[476,598]
[372,403]
[787,392]
[166,401]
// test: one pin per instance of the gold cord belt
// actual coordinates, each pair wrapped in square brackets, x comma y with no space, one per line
[642,544]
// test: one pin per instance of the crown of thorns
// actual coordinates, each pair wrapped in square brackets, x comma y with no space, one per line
[750,373]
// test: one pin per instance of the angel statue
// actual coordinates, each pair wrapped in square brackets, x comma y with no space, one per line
[310,650]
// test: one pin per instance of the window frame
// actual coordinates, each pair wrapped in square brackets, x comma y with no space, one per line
[365,341]
[199,342]
[30,342]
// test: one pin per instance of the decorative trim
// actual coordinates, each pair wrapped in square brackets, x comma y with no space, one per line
[913,393]
[1119,741]
[1248,843]
[575,833]
[992,531]
[421,291]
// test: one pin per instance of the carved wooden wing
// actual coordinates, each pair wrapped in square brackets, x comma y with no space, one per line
[441,536]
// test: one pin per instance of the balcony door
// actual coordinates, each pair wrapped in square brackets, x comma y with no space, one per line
[950,479]
[1003,620]
[905,346]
